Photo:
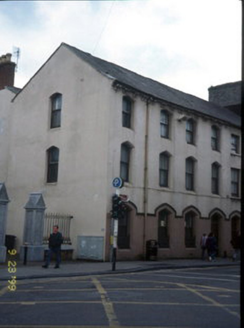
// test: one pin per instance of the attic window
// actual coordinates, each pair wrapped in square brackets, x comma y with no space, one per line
[126,112]
[56,107]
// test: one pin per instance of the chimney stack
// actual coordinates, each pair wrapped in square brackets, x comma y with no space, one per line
[7,69]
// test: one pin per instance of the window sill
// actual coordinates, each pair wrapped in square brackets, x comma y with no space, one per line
[235,198]
[191,192]
[51,183]
[57,128]
[128,128]
[164,188]
[216,195]
[234,154]
[128,184]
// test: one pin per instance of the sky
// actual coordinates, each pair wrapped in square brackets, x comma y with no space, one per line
[189,45]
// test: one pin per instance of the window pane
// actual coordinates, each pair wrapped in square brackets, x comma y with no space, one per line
[163,178]
[125,154]
[214,132]
[56,119]
[53,159]
[54,155]
[235,143]
[124,162]
[235,182]
[163,170]
[164,124]
[56,101]
[164,131]
[189,131]
[189,174]
[189,166]
[215,138]
[126,112]
[124,171]
[164,117]
[189,125]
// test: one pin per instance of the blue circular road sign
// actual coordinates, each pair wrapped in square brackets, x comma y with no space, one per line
[118,182]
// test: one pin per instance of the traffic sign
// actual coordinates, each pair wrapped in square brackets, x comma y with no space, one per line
[118,182]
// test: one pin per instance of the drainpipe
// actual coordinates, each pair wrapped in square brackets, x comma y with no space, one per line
[145,187]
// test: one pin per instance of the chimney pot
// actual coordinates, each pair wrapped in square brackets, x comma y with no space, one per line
[8,57]
[3,58]
[7,70]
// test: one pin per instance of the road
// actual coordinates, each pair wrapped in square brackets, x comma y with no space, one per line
[196,298]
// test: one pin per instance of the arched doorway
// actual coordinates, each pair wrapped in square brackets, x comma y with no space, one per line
[216,221]
[163,228]
[235,226]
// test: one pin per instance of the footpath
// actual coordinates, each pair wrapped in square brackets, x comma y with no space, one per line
[34,270]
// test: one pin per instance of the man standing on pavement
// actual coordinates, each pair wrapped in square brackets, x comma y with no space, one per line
[203,245]
[55,241]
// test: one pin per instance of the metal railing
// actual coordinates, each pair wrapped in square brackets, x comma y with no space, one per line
[63,221]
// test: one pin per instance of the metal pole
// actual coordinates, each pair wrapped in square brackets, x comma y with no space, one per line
[115,235]
[25,253]
[242,150]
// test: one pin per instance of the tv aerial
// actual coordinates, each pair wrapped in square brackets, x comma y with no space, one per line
[16,56]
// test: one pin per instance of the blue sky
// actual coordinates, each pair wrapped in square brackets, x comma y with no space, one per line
[189,45]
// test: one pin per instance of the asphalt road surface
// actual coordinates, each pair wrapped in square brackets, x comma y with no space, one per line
[189,298]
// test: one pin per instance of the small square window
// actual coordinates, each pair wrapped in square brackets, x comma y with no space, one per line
[235,141]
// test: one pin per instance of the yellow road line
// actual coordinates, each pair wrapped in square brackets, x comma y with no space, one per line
[208,299]
[208,288]
[107,304]
[56,290]
[119,302]
[49,326]
[3,290]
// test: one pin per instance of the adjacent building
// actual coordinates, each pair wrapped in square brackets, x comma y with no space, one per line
[81,121]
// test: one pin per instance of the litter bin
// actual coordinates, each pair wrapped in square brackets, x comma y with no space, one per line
[10,242]
[151,250]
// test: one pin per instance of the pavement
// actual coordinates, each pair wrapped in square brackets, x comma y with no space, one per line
[34,270]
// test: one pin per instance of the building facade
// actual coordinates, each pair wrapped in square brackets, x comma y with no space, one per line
[81,121]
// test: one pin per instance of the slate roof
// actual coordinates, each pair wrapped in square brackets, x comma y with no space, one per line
[157,90]
[13,89]
[227,94]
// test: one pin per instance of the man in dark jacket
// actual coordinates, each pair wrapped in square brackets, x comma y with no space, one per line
[55,241]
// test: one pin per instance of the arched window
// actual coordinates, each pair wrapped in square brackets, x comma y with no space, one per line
[126,112]
[164,124]
[190,131]
[56,107]
[190,173]
[215,138]
[163,229]
[190,239]
[215,178]
[164,169]
[52,164]
[235,182]
[125,161]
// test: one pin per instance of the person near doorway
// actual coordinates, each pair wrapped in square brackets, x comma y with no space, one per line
[203,245]
[55,242]
[211,245]
[236,244]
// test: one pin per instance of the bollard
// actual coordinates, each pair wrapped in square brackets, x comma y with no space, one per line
[25,253]
[114,259]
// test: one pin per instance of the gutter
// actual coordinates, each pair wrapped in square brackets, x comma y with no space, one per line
[145,180]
